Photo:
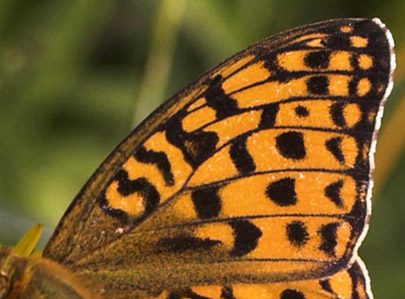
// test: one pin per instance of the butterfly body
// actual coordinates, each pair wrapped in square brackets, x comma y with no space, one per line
[24,277]
[252,181]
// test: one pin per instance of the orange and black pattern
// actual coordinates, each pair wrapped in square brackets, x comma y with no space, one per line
[345,284]
[255,179]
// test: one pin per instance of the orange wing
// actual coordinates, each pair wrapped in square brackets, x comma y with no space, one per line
[257,173]
[346,284]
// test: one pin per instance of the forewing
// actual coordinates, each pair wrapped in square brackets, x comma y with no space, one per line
[258,172]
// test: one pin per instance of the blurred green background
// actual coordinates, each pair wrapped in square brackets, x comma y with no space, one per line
[76,76]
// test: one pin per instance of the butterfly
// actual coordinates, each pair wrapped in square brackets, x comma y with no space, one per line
[251,182]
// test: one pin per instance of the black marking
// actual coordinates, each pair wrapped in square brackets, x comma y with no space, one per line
[358,214]
[301,111]
[317,59]
[282,192]
[268,117]
[192,295]
[271,63]
[325,285]
[357,276]
[333,145]
[291,145]
[215,81]
[354,61]
[117,213]
[207,202]
[318,85]
[142,186]
[328,234]
[353,86]
[217,99]
[246,236]
[332,192]
[336,112]
[157,158]
[376,91]
[227,293]
[241,157]
[185,293]
[184,243]
[338,42]
[297,233]
[292,294]
[196,146]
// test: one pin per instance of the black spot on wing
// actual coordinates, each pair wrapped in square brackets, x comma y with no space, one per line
[292,294]
[268,117]
[297,233]
[241,157]
[332,191]
[318,85]
[184,243]
[353,86]
[336,112]
[328,234]
[246,236]
[333,145]
[291,145]
[157,158]
[301,111]
[335,41]
[207,202]
[282,192]
[317,59]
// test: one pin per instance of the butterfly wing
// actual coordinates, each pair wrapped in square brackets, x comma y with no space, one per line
[257,172]
[352,283]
